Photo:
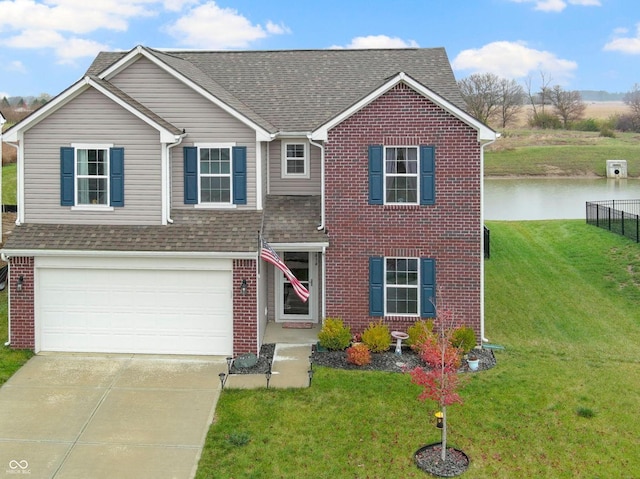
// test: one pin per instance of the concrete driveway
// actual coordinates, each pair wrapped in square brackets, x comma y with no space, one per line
[97,416]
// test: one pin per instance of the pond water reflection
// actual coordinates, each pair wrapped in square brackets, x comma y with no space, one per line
[550,198]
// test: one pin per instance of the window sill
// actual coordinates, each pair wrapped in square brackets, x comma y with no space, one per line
[92,208]
[401,206]
[397,317]
[214,206]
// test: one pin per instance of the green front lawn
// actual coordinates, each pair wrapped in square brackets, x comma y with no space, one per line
[562,297]
[10,360]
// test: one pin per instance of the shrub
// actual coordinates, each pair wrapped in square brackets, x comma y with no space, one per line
[419,332]
[334,334]
[545,120]
[588,124]
[377,337]
[463,338]
[358,354]
[607,132]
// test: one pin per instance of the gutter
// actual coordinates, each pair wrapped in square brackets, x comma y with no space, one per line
[482,146]
[4,258]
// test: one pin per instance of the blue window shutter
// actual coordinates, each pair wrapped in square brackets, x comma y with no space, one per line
[67,180]
[116,169]
[190,175]
[427,288]
[239,155]
[427,175]
[376,286]
[376,175]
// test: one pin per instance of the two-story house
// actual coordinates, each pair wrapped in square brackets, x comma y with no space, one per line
[144,190]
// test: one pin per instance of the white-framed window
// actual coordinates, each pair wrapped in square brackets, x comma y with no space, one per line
[215,173]
[401,174]
[91,168]
[402,286]
[295,159]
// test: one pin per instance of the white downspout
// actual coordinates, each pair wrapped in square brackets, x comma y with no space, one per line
[166,181]
[482,146]
[322,182]
[19,177]
[321,226]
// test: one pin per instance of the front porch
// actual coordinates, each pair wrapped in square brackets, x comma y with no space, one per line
[281,333]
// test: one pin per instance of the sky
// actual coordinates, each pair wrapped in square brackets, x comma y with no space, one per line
[47,45]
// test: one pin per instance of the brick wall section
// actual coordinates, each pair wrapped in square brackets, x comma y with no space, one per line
[449,230]
[245,322]
[21,313]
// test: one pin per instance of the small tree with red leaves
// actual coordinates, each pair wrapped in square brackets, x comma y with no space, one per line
[440,381]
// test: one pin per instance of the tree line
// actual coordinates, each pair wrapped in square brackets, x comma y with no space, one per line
[499,101]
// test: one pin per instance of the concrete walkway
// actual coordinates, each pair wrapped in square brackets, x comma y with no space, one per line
[290,369]
[99,416]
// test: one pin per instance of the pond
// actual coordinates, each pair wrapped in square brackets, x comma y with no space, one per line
[550,198]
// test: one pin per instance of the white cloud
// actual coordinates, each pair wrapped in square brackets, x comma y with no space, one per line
[16,66]
[514,60]
[378,41]
[211,27]
[76,16]
[275,29]
[558,5]
[65,49]
[629,44]
[178,5]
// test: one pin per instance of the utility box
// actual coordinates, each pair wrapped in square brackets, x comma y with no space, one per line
[616,169]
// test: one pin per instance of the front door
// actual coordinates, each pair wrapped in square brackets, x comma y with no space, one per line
[290,306]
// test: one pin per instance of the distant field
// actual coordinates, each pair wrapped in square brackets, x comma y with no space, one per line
[599,110]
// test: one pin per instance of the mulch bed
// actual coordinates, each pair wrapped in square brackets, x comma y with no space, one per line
[428,458]
[391,362]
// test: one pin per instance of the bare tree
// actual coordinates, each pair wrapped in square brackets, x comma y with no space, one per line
[632,100]
[539,99]
[511,100]
[480,92]
[567,104]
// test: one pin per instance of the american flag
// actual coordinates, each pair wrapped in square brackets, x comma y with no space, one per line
[268,254]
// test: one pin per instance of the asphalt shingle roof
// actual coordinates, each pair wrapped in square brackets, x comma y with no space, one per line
[192,231]
[292,219]
[300,90]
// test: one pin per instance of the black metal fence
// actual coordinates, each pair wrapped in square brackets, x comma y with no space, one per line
[618,216]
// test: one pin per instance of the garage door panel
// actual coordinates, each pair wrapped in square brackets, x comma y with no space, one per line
[143,311]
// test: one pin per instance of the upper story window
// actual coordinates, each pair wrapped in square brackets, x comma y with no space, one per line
[91,176]
[402,175]
[295,160]
[215,174]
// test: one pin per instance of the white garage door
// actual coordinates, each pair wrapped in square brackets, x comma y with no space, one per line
[159,311]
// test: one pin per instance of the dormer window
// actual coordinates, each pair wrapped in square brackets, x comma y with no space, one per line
[295,160]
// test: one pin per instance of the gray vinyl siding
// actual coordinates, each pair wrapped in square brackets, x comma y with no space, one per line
[92,118]
[293,186]
[202,121]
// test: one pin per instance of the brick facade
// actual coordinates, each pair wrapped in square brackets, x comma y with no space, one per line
[22,303]
[448,231]
[245,323]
